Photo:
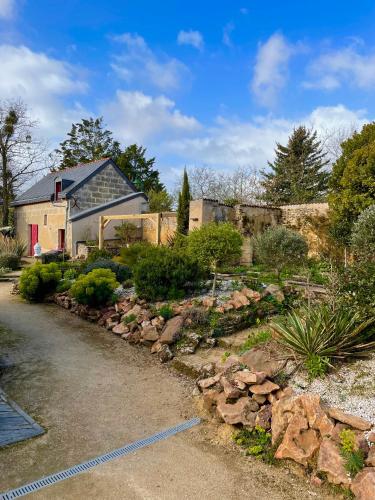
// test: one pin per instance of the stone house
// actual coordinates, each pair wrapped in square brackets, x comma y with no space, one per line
[63,208]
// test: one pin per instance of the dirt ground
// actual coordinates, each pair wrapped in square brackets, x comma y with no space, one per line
[93,393]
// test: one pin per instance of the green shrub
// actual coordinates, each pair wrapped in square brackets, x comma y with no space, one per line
[39,280]
[166,311]
[122,272]
[354,287]
[316,366]
[164,273]
[215,245]
[279,247]
[129,319]
[10,261]
[70,274]
[97,254]
[4,270]
[54,256]
[363,235]
[353,457]
[95,288]
[134,253]
[326,332]
[256,442]
[126,232]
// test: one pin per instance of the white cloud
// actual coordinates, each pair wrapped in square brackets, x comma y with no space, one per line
[41,82]
[6,8]
[332,69]
[271,68]
[136,117]
[232,143]
[140,64]
[227,31]
[193,38]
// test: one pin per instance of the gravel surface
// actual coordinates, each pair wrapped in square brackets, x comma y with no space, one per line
[351,388]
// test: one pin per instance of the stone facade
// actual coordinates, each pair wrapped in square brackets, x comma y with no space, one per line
[105,186]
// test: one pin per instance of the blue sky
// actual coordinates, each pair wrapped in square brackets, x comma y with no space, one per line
[197,83]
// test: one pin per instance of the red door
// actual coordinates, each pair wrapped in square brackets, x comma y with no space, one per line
[33,237]
[61,239]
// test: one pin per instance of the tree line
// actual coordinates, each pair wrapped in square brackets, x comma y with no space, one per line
[340,168]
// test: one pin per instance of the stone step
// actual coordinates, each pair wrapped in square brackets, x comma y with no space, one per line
[191,364]
[233,343]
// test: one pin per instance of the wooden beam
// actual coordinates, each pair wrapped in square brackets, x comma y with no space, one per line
[101,232]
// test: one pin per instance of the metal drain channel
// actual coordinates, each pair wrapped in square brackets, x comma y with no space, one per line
[78,469]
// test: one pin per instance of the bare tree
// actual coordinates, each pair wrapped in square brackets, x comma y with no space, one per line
[331,140]
[242,185]
[22,155]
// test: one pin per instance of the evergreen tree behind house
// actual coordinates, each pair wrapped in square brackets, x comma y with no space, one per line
[298,174]
[184,199]
[88,141]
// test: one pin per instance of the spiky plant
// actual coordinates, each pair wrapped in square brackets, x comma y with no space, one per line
[329,333]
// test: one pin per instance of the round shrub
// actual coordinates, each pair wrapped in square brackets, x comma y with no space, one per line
[363,235]
[11,261]
[279,247]
[95,288]
[122,272]
[134,253]
[96,254]
[166,274]
[39,280]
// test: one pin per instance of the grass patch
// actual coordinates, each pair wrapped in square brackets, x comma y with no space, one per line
[253,340]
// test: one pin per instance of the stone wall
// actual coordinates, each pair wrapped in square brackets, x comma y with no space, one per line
[105,186]
[168,227]
[311,220]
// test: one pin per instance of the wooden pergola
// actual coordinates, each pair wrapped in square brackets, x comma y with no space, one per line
[155,219]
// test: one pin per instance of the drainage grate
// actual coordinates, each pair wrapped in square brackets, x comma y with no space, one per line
[77,469]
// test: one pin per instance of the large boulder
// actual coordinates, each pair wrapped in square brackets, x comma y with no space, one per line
[331,462]
[260,359]
[265,388]
[172,330]
[150,333]
[242,412]
[299,442]
[249,378]
[363,485]
[345,418]
[120,329]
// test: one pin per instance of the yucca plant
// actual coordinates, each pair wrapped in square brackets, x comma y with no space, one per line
[331,334]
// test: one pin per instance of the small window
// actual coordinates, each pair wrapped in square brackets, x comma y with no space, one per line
[57,190]
[45,219]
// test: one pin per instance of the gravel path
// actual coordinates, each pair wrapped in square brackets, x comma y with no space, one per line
[93,393]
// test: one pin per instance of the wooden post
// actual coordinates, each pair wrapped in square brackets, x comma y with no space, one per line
[158,221]
[101,232]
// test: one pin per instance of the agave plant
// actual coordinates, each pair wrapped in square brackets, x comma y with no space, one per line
[325,332]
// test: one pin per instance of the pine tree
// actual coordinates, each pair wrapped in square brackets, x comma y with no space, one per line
[133,163]
[87,141]
[184,198]
[298,173]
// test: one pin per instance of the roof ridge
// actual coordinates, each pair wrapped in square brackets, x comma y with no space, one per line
[82,164]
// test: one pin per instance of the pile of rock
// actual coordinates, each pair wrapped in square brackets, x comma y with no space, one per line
[137,322]
[302,429]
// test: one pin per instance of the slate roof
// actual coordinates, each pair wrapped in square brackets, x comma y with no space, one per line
[72,179]
[107,204]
